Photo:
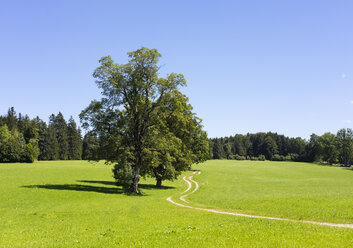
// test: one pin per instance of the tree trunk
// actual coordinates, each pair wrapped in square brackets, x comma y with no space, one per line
[159,182]
[134,187]
[138,157]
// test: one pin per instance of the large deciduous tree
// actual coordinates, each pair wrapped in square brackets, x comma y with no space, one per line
[144,123]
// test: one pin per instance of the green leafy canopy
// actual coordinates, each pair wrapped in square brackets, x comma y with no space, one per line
[143,121]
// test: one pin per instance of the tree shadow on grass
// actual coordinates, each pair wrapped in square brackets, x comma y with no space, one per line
[77,187]
[344,167]
[98,182]
[141,185]
[152,186]
[97,189]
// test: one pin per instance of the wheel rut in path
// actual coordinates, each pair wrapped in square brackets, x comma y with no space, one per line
[190,181]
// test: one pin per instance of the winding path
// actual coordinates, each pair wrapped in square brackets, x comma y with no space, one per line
[186,193]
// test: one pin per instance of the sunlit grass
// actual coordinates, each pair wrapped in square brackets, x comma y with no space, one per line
[75,204]
[281,189]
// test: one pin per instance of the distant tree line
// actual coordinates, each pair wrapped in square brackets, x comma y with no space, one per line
[25,140]
[327,148]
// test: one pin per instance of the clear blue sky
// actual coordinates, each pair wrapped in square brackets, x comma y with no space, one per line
[281,66]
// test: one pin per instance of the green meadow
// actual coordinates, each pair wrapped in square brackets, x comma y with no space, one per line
[282,189]
[76,204]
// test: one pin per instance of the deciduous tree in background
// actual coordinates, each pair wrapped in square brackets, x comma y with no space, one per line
[345,146]
[329,147]
[269,147]
[90,146]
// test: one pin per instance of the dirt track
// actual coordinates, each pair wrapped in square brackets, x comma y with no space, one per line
[186,193]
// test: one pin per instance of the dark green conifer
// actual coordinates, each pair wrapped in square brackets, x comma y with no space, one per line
[75,140]
[50,148]
[62,136]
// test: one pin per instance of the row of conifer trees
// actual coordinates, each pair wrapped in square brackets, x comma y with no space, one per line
[25,140]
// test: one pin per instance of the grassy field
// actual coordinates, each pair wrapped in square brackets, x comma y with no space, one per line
[75,204]
[282,189]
